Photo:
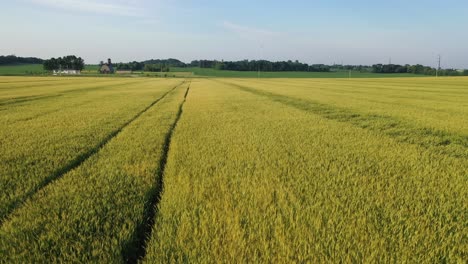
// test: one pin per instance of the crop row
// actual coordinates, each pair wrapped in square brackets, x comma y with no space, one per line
[17,90]
[99,211]
[437,104]
[249,179]
[449,143]
[45,146]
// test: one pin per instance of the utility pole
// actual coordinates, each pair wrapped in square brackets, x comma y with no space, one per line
[438,67]
[259,61]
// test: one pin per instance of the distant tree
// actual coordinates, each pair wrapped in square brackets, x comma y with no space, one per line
[48,65]
[262,65]
[131,66]
[429,71]
[78,64]
[12,59]
[167,62]
[68,62]
[156,68]
[415,69]
[52,64]
[219,65]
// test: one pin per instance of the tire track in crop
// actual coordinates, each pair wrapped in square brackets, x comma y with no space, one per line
[449,144]
[45,113]
[58,109]
[61,108]
[26,99]
[88,89]
[144,231]
[78,160]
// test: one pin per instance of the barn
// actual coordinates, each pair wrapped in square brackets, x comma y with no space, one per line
[107,68]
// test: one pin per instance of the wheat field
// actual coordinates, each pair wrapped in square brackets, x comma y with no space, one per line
[219,170]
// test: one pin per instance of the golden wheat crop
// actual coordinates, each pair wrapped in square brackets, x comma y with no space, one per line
[97,211]
[50,129]
[256,178]
[116,170]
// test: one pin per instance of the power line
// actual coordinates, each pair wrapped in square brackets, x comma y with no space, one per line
[438,66]
[260,59]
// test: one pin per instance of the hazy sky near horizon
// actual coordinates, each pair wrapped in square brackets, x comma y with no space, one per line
[320,31]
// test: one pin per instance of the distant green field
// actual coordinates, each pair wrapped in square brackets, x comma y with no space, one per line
[91,68]
[253,74]
[21,69]
[35,69]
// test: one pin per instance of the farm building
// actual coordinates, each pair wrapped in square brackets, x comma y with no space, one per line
[107,68]
[66,72]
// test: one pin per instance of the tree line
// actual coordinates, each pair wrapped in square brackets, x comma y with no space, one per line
[166,63]
[157,65]
[12,59]
[156,68]
[64,63]
[416,69]
[260,65]
[150,65]
[128,66]
[264,65]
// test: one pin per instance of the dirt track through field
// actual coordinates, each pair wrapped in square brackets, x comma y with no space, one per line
[150,211]
[77,161]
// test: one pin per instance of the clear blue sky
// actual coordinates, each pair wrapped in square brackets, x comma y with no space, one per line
[323,31]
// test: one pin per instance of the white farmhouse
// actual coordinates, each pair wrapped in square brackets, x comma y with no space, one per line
[67,72]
